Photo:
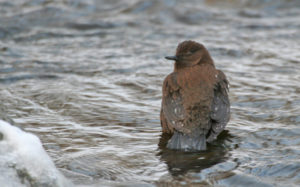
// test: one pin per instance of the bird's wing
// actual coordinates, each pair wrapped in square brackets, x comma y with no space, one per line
[220,109]
[172,106]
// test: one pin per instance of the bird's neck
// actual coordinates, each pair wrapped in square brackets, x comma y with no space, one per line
[206,59]
[180,65]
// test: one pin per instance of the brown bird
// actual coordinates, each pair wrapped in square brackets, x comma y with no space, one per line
[195,105]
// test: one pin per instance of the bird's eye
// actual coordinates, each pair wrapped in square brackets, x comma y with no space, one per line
[193,50]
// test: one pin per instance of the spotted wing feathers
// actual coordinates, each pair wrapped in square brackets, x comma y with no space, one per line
[172,106]
[220,109]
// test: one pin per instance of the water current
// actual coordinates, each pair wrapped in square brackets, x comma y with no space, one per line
[85,76]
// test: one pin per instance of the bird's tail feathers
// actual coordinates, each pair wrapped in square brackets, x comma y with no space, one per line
[181,141]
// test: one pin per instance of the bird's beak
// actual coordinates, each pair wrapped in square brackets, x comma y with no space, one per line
[171,58]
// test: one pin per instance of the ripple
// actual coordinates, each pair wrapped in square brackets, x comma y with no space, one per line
[9,80]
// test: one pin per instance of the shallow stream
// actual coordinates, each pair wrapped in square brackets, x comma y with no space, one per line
[85,76]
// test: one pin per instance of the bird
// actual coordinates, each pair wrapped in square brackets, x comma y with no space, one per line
[195,107]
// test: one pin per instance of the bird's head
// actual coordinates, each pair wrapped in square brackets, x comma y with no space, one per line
[190,53]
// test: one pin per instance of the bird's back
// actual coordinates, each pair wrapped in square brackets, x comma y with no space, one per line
[187,98]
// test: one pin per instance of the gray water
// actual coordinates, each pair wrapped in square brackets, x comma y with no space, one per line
[85,76]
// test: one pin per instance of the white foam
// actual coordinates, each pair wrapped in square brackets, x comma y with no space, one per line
[24,162]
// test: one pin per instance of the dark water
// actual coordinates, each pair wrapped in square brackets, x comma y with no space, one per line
[85,76]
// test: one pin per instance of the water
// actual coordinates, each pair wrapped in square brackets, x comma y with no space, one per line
[86,77]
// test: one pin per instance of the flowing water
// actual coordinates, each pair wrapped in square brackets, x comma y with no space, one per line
[85,76]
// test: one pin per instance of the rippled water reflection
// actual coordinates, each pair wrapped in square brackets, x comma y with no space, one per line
[86,76]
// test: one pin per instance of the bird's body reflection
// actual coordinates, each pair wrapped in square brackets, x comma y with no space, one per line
[180,162]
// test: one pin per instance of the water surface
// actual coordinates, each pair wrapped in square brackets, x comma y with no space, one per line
[86,77]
